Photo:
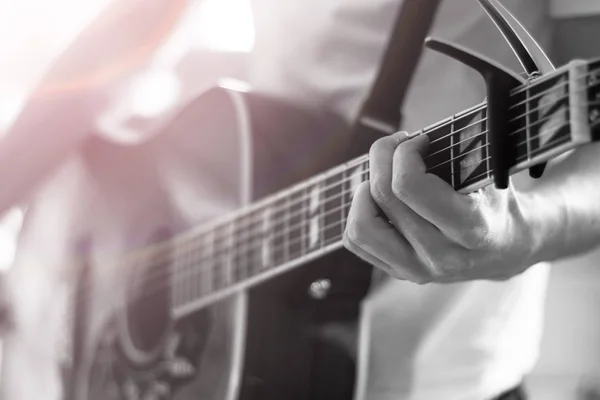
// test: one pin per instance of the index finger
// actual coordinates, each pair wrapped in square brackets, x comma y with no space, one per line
[431,197]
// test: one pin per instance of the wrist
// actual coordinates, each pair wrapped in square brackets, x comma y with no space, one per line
[547,221]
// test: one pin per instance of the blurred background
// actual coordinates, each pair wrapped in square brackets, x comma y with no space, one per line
[212,43]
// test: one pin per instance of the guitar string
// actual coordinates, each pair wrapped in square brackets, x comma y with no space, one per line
[461,168]
[461,155]
[360,161]
[483,106]
[486,145]
[188,275]
[471,138]
[564,97]
[186,271]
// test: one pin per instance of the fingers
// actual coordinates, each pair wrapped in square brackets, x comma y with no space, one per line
[372,238]
[433,199]
[420,233]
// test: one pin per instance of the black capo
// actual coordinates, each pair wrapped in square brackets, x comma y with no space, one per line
[500,81]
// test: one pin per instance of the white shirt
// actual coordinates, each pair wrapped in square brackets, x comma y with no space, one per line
[460,342]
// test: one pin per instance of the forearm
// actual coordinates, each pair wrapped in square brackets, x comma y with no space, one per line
[565,206]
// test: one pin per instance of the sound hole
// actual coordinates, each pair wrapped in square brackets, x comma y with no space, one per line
[148,316]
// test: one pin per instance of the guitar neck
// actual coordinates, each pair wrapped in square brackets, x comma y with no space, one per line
[548,117]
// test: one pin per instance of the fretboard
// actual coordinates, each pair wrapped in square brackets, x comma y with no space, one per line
[548,117]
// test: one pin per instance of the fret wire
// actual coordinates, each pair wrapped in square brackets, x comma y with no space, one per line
[487,145]
[323,229]
[321,213]
[343,220]
[303,221]
[176,295]
[286,237]
[345,192]
[483,106]
[366,172]
[452,176]
[360,160]
[343,200]
[488,165]
[527,130]
[352,163]
[472,112]
[516,132]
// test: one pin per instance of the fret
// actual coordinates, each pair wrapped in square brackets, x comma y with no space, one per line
[181,261]
[252,259]
[331,206]
[488,158]
[304,244]
[187,271]
[549,114]
[177,277]
[357,175]
[220,256]
[321,214]
[528,119]
[471,157]
[314,234]
[296,204]
[194,259]
[205,266]
[241,247]
[229,253]
[452,156]
[267,242]
[439,159]
[519,133]
[286,226]
[346,188]
[592,111]
[279,223]
[311,216]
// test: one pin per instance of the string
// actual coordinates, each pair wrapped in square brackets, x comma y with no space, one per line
[248,247]
[475,136]
[511,120]
[362,159]
[483,106]
[303,198]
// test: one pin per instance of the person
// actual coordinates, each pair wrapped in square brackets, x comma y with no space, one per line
[471,340]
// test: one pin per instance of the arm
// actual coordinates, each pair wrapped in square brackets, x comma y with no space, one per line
[435,234]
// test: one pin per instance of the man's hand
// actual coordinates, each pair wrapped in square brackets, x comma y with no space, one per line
[416,227]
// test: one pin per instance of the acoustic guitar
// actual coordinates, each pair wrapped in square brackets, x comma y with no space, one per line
[157,336]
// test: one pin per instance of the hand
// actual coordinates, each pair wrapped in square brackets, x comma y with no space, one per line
[416,227]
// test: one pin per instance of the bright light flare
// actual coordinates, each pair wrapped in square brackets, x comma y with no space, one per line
[225,25]
[154,92]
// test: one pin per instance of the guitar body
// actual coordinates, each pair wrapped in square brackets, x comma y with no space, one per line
[279,339]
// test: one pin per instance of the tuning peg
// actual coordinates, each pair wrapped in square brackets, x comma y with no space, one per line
[529,53]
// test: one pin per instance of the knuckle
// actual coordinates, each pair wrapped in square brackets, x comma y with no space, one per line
[350,237]
[381,146]
[381,192]
[401,183]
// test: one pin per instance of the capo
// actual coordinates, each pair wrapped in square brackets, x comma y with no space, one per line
[532,58]
[500,81]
